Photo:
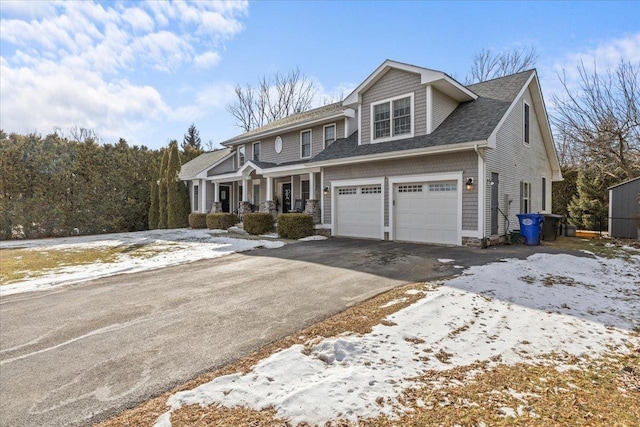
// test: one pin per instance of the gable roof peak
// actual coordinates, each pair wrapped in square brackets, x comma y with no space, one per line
[438,79]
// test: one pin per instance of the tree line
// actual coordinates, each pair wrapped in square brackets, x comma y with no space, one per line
[57,185]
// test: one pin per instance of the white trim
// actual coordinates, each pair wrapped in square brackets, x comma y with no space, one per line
[450,148]
[360,125]
[447,176]
[356,182]
[429,109]
[391,136]
[310,143]
[244,162]
[482,197]
[324,137]
[346,128]
[322,197]
[526,105]
[610,210]
[253,151]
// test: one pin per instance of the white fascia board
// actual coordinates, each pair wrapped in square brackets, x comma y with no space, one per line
[203,174]
[440,149]
[279,130]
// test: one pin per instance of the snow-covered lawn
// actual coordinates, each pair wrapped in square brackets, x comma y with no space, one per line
[515,311]
[145,250]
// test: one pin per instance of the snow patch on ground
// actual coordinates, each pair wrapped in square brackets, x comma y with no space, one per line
[514,311]
[153,249]
[312,238]
[445,260]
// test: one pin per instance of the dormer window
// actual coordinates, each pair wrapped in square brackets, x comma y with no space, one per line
[392,118]
[329,134]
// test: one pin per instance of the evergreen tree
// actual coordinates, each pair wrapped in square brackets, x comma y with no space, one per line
[176,217]
[191,143]
[162,191]
[154,208]
[590,206]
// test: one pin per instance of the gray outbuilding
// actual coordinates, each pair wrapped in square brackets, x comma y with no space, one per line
[624,209]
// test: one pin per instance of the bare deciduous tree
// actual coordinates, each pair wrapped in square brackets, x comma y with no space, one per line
[77,133]
[600,121]
[489,65]
[274,98]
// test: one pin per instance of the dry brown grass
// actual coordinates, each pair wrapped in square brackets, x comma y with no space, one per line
[601,392]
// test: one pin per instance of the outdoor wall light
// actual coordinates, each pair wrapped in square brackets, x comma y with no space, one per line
[326,190]
[469,184]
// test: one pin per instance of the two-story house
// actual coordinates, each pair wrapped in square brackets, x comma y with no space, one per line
[410,155]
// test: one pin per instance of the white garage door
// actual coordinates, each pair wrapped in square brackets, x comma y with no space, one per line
[359,211]
[427,212]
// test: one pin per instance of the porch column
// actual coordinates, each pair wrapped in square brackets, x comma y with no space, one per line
[312,186]
[216,206]
[245,190]
[269,196]
[203,195]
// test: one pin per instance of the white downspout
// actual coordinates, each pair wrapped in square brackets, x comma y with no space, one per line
[482,180]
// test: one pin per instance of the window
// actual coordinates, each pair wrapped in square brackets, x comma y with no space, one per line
[371,190]
[196,197]
[329,135]
[305,144]
[347,191]
[415,188]
[304,185]
[392,118]
[452,186]
[256,151]
[256,194]
[525,195]
[544,194]
[526,124]
[240,155]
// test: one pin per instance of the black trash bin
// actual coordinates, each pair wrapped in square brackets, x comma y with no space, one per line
[550,226]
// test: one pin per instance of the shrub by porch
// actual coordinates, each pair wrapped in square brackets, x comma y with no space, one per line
[295,225]
[198,220]
[257,222]
[221,220]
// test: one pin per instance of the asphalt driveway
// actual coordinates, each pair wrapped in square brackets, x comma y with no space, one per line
[79,354]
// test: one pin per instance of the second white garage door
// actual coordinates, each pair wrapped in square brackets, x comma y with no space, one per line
[359,211]
[427,212]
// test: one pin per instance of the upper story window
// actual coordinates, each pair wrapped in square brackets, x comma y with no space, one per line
[256,151]
[392,118]
[240,155]
[526,124]
[329,135]
[305,143]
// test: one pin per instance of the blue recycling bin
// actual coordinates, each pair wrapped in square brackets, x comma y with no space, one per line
[530,225]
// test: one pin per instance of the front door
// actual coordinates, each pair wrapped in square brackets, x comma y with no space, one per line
[494,202]
[224,195]
[286,197]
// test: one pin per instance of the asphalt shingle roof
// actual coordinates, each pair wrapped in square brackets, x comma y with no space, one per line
[316,113]
[470,121]
[202,162]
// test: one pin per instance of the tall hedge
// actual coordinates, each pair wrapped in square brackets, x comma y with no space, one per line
[257,222]
[162,191]
[295,225]
[177,193]
[154,209]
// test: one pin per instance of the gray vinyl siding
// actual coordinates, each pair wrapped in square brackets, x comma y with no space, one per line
[395,83]
[625,210]
[515,162]
[467,162]
[291,143]
[226,166]
[443,105]
[209,196]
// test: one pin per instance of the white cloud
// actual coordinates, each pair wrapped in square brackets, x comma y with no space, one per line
[207,60]
[88,64]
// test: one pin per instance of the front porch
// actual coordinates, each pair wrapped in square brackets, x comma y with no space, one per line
[255,188]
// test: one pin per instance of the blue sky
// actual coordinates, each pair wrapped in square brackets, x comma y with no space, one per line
[145,71]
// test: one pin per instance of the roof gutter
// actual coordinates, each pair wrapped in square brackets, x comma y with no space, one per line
[441,149]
